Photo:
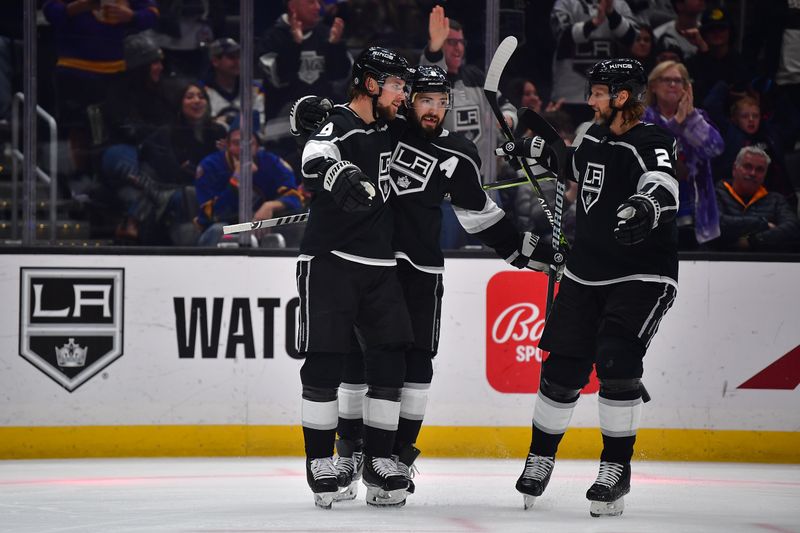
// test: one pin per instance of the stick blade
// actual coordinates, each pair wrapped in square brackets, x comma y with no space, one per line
[538,124]
[504,52]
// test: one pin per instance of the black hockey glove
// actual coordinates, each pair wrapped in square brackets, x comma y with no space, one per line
[524,147]
[352,190]
[307,114]
[530,253]
[637,216]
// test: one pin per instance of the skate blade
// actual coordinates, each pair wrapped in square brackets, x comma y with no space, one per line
[382,498]
[323,500]
[528,501]
[614,508]
[348,493]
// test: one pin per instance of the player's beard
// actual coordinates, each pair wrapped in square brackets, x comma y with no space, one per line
[424,131]
[386,113]
[603,118]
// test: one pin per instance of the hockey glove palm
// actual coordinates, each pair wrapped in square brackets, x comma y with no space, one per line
[637,216]
[525,147]
[307,114]
[352,190]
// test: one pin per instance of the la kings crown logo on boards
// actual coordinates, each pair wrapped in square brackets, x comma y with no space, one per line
[71,321]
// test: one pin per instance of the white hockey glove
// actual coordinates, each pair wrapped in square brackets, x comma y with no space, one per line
[352,190]
[637,216]
[307,114]
[529,147]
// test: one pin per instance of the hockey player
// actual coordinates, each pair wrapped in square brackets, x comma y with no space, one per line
[620,280]
[428,162]
[346,278]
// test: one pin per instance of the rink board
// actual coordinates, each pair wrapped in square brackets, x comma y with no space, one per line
[141,376]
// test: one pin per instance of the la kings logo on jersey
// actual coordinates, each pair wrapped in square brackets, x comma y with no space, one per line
[468,122]
[592,185]
[384,180]
[312,66]
[410,169]
[71,321]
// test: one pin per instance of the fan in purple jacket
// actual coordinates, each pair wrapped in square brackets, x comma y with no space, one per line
[671,106]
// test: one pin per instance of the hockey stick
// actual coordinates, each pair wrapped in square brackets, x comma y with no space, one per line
[268,223]
[539,125]
[499,61]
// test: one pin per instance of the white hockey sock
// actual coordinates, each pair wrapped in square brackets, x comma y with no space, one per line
[619,418]
[351,400]
[551,416]
[319,415]
[414,400]
[381,414]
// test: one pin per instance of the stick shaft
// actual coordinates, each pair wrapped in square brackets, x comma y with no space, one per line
[267,223]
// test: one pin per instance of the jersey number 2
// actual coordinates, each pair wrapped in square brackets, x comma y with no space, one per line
[662,158]
[448,166]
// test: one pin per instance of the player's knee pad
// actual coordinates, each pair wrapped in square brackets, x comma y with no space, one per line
[568,372]
[385,367]
[353,371]
[322,370]
[619,353]
[620,406]
[419,366]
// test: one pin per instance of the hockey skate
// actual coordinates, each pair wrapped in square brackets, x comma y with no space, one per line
[405,464]
[321,477]
[534,478]
[349,467]
[386,485]
[607,494]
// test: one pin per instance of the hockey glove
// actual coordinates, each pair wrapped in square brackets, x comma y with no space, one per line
[637,216]
[524,147]
[351,189]
[307,114]
[530,253]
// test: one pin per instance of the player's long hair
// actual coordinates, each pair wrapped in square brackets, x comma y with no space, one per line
[632,110]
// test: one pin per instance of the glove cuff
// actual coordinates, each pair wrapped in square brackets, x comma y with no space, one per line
[334,171]
[656,207]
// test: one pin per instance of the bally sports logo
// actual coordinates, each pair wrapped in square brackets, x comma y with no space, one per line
[515,304]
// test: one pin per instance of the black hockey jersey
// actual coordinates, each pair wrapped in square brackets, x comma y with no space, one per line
[422,172]
[609,169]
[364,237]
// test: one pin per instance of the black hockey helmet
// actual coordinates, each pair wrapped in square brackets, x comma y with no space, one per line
[379,63]
[429,79]
[618,74]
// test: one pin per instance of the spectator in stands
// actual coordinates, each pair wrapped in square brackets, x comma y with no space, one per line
[653,13]
[136,106]
[745,128]
[671,106]
[470,112]
[643,48]
[222,85]
[522,92]
[183,30]
[168,159]
[751,217]
[774,45]
[586,32]
[89,45]
[668,51]
[217,181]
[300,55]
[720,62]
[684,31]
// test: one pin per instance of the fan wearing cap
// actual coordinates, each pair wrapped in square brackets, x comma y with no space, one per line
[721,62]
[222,84]
[620,279]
